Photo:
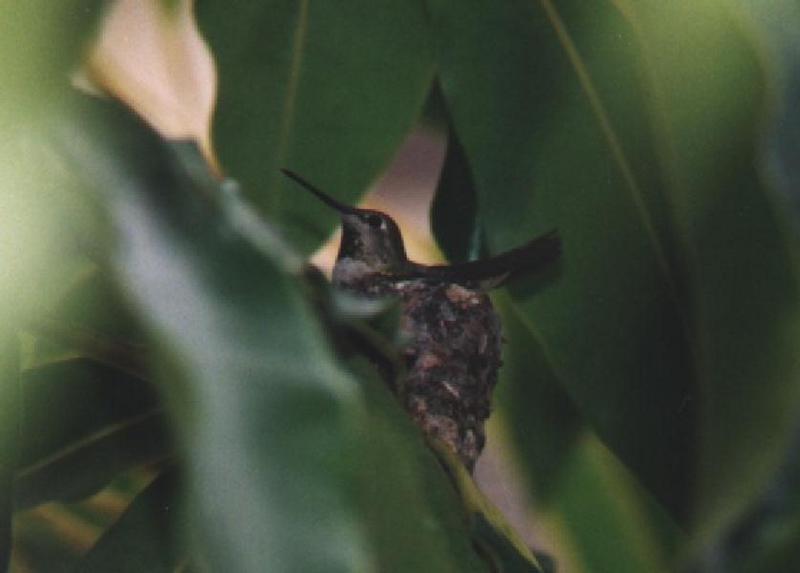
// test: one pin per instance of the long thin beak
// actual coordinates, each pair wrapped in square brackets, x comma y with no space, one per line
[328,200]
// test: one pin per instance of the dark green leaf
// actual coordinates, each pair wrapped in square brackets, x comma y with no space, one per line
[273,432]
[9,437]
[744,289]
[72,339]
[765,538]
[82,424]
[147,537]
[414,518]
[541,158]
[327,89]
[778,550]
[544,422]
[454,212]
[676,290]
[777,22]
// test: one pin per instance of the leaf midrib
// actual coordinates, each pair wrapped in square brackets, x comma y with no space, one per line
[618,154]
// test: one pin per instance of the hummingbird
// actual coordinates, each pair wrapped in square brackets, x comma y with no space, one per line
[452,334]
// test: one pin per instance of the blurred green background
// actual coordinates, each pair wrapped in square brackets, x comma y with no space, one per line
[177,396]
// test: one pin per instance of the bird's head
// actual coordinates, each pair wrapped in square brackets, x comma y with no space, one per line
[371,240]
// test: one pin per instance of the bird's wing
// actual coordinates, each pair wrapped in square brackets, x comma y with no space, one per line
[493,271]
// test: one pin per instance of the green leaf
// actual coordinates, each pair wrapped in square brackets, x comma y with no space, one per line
[43,224]
[542,157]
[327,89]
[9,436]
[765,539]
[454,212]
[779,550]
[543,421]
[147,537]
[83,423]
[413,516]
[41,43]
[273,433]
[57,339]
[676,290]
[497,540]
[94,304]
[90,320]
[744,288]
[776,22]
[263,435]
[606,522]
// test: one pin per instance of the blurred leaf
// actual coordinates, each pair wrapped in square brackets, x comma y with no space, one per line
[41,43]
[328,89]
[491,532]
[82,424]
[540,159]
[273,432]
[75,340]
[9,436]
[766,537]
[147,537]
[95,304]
[543,420]
[777,22]
[607,523]
[499,549]
[263,437]
[778,551]
[43,222]
[412,514]
[602,121]
[744,292]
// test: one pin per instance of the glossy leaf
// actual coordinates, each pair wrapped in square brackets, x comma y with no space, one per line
[273,432]
[327,89]
[744,288]
[675,291]
[541,159]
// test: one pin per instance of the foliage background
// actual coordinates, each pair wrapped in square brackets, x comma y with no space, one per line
[157,336]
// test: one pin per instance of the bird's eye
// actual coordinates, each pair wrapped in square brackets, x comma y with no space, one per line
[374,221]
